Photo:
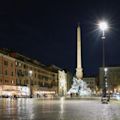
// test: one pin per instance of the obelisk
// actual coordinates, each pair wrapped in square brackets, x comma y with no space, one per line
[79,72]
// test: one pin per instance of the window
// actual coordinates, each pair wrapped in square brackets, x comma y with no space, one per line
[11,73]
[19,72]
[0,80]
[11,64]
[18,82]
[31,82]
[6,81]
[20,64]
[35,75]
[6,63]
[6,72]
[26,81]
[24,66]
[26,73]
[53,77]
[0,70]
[39,76]
[16,63]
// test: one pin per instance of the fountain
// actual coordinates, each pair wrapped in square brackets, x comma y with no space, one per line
[79,87]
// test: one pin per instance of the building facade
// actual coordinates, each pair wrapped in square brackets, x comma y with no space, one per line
[91,83]
[7,74]
[112,77]
[22,76]
[62,77]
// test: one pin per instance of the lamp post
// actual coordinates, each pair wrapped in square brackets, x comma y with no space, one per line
[30,88]
[103,26]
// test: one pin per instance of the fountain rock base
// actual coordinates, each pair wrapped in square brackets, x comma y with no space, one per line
[80,88]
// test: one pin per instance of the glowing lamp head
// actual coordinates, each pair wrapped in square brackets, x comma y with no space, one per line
[105,69]
[30,72]
[103,25]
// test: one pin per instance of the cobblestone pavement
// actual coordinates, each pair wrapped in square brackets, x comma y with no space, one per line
[36,109]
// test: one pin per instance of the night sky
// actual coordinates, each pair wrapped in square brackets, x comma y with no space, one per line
[46,31]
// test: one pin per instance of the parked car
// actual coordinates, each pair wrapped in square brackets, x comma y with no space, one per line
[105,99]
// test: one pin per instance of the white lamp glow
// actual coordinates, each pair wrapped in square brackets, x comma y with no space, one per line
[30,72]
[103,25]
[105,69]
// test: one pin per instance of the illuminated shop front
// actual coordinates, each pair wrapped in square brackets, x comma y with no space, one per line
[23,90]
[44,92]
[8,90]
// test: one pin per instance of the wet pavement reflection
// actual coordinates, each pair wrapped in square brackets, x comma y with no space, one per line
[36,109]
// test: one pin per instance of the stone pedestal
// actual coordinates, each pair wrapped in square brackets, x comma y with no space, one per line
[79,73]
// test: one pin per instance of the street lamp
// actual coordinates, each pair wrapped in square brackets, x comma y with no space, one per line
[30,88]
[103,26]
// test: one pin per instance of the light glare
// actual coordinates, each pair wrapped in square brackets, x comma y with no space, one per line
[30,72]
[103,25]
[105,69]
